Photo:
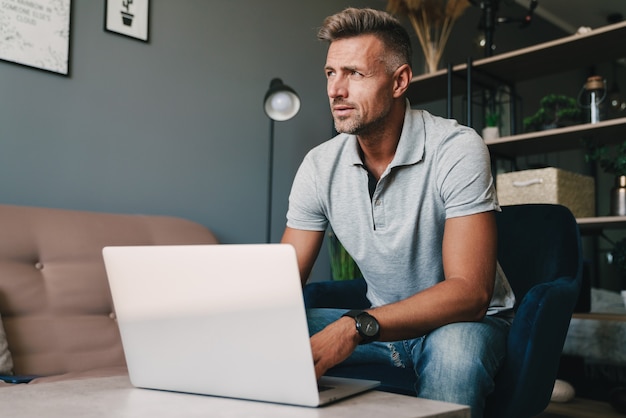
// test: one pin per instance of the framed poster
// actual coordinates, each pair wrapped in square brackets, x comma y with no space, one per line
[36,33]
[127,17]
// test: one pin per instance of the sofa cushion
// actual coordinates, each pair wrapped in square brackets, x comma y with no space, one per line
[54,295]
[6,363]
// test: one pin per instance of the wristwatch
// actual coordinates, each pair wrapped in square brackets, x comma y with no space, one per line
[366,325]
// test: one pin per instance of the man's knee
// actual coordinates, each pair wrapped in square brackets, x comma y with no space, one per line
[463,352]
[458,363]
[454,350]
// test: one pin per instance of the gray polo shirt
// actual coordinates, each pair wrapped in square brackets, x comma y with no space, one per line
[440,170]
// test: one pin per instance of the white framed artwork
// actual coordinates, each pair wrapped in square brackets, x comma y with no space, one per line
[128,17]
[36,33]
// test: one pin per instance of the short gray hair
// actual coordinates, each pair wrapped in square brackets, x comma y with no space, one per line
[353,22]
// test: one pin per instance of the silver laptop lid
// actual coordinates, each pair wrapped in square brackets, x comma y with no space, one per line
[224,320]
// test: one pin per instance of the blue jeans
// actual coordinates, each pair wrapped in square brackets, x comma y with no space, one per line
[455,363]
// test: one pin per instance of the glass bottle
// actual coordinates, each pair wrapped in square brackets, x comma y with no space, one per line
[618,197]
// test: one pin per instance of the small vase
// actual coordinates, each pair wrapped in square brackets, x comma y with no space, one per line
[618,197]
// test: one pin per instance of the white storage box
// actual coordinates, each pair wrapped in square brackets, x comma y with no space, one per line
[548,185]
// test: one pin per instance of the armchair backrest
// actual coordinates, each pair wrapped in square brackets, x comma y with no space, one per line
[539,249]
[537,243]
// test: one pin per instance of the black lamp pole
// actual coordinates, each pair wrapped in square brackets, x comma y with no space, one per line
[270,181]
[280,103]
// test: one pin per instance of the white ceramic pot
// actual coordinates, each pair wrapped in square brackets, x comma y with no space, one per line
[491,132]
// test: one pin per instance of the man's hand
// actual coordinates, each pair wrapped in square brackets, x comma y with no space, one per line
[334,344]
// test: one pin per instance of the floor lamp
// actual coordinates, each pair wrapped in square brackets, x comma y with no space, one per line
[281,103]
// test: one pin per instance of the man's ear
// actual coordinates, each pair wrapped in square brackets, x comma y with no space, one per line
[401,80]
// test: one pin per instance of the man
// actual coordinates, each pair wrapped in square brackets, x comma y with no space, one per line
[411,198]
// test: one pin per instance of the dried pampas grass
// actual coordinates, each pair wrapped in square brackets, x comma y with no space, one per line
[432,21]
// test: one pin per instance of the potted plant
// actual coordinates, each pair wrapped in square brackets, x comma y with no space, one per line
[555,111]
[492,122]
[612,162]
[342,266]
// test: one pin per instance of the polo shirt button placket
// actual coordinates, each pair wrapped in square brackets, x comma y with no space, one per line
[379,213]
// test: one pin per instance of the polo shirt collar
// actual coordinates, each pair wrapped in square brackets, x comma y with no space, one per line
[410,147]
[412,139]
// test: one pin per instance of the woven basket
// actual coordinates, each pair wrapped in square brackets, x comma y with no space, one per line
[548,185]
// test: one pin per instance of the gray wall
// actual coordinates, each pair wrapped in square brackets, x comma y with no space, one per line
[176,126]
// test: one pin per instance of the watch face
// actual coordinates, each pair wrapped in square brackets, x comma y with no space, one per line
[369,325]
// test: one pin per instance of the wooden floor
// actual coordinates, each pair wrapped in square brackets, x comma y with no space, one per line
[580,408]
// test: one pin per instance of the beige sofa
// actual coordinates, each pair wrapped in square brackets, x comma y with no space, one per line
[55,304]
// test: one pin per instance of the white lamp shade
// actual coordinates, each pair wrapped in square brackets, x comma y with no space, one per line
[281,102]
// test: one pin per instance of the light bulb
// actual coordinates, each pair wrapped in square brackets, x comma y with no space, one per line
[281,102]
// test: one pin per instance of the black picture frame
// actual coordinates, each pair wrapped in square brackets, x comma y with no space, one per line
[130,18]
[36,34]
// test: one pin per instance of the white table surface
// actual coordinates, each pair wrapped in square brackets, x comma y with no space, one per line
[115,397]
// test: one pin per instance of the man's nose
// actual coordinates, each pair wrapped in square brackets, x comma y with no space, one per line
[337,88]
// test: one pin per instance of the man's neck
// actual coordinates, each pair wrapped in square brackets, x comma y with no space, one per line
[377,156]
[378,148]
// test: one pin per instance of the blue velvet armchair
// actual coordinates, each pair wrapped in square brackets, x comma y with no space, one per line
[539,249]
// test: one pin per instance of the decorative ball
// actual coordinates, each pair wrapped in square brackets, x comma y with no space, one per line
[562,391]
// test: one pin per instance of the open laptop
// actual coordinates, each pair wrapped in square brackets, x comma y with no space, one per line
[225,320]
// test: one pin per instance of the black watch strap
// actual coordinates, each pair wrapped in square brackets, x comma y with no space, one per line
[366,325]
[353,313]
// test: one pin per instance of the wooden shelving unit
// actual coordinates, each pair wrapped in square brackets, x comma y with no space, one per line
[558,56]
[559,139]
[571,52]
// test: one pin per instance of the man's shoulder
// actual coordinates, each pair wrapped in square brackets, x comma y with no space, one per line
[330,150]
[431,121]
[441,131]
[337,141]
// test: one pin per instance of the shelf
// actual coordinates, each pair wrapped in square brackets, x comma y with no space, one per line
[600,316]
[558,139]
[590,225]
[576,51]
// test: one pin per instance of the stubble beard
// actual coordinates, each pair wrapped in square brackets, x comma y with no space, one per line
[348,125]
[355,125]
